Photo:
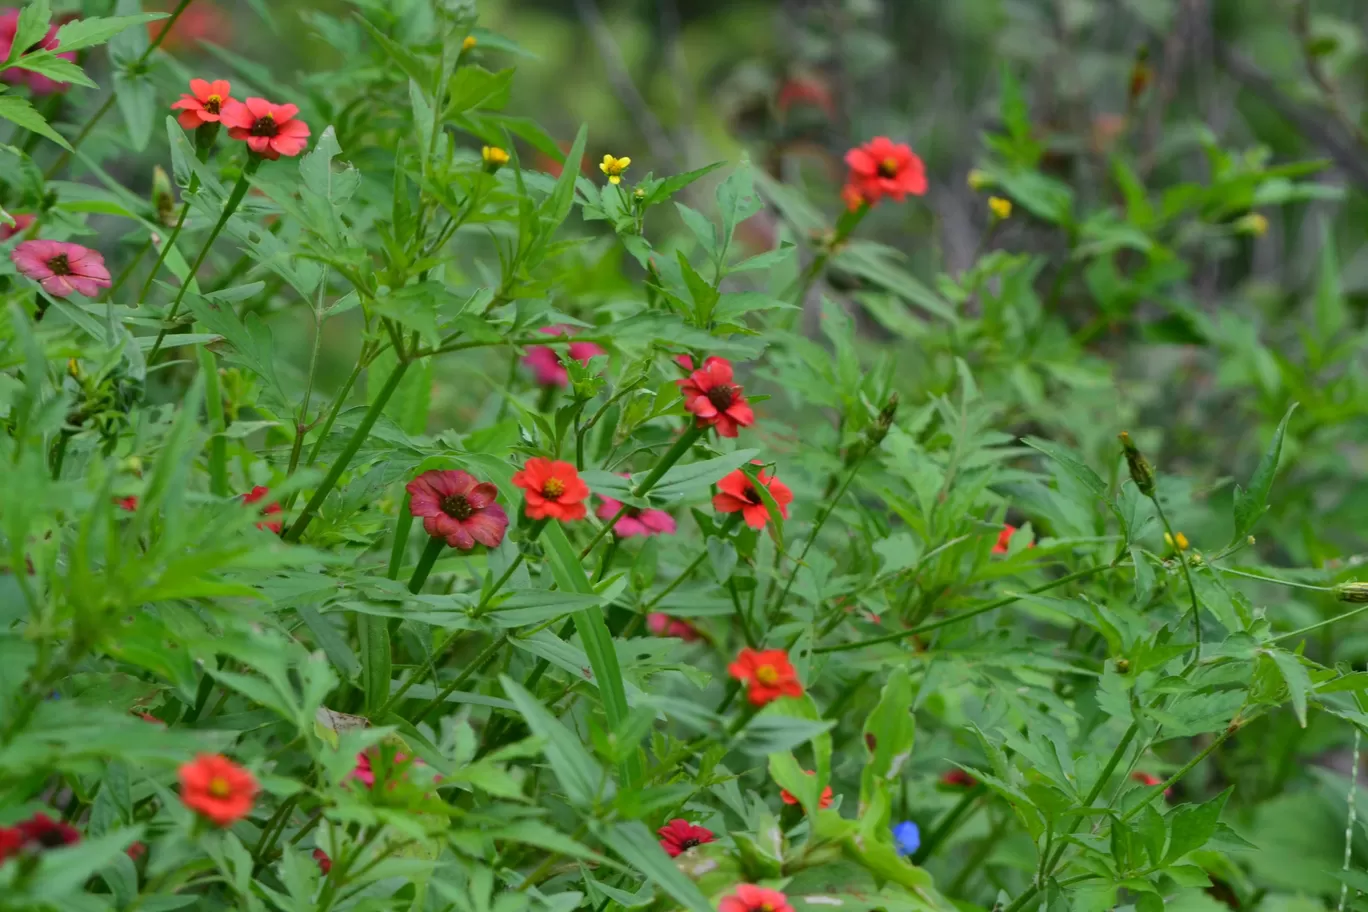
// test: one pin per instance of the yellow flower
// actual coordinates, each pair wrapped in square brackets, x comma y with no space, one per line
[978,179]
[1253,223]
[469,43]
[1179,538]
[1002,208]
[494,158]
[613,167]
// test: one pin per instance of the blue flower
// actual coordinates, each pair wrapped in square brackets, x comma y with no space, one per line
[907,835]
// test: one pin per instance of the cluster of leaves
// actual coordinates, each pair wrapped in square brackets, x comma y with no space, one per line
[506,728]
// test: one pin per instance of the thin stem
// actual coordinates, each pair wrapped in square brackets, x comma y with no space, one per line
[1187,577]
[948,823]
[473,668]
[169,243]
[1158,790]
[1317,626]
[338,402]
[1268,579]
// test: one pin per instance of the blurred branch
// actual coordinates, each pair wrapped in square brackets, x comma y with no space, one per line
[1189,26]
[662,148]
[1328,136]
[1301,23]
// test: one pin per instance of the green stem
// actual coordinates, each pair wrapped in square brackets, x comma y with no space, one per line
[472,669]
[948,823]
[213,407]
[1187,577]
[1319,624]
[340,401]
[234,200]
[349,452]
[672,455]
[170,242]
[430,555]
[402,527]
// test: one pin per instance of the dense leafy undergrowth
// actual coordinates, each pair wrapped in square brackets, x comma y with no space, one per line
[626,564]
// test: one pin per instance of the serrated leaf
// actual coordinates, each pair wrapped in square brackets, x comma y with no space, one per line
[84,33]
[1251,503]
[578,772]
[640,849]
[19,112]
[1190,827]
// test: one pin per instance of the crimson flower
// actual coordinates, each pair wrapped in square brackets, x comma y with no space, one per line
[271,509]
[546,364]
[678,836]
[47,833]
[750,898]
[738,495]
[663,625]
[1150,780]
[636,522]
[136,850]
[11,842]
[882,168]
[852,197]
[324,862]
[824,802]
[204,104]
[128,504]
[37,82]
[1005,539]
[62,268]
[270,130]
[958,778]
[805,90]
[217,788]
[714,399]
[457,507]
[554,489]
[768,675]
[21,223]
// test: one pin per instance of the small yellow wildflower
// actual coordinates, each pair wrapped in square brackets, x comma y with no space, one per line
[1254,223]
[613,167]
[1179,538]
[979,179]
[469,43]
[1002,208]
[494,158]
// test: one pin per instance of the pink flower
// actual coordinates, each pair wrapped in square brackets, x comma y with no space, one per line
[270,130]
[662,625]
[545,363]
[62,268]
[457,507]
[21,224]
[750,898]
[37,82]
[636,522]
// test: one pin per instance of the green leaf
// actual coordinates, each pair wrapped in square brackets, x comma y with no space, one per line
[475,87]
[63,872]
[30,28]
[1252,503]
[1190,827]
[773,734]
[736,202]
[637,846]
[557,205]
[578,772]
[377,663]
[50,65]
[407,61]
[891,729]
[702,228]
[1298,681]
[683,481]
[1330,310]
[1078,470]
[134,91]
[18,111]
[84,33]
[672,185]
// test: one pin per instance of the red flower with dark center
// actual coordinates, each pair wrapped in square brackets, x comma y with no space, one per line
[958,778]
[128,504]
[824,802]
[750,898]
[204,104]
[458,507]
[47,833]
[271,509]
[11,842]
[62,268]
[37,82]
[324,862]
[136,850]
[768,675]
[546,363]
[1150,780]
[882,168]
[217,789]
[1005,539]
[678,836]
[663,625]
[738,495]
[712,396]
[554,489]
[270,130]
[21,223]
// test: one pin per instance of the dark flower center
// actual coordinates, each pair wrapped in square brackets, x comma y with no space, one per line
[688,843]
[888,167]
[59,265]
[213,103]
[264,126]
[553,488]
[752,496]
[52,839]
[722,396]
[457,507]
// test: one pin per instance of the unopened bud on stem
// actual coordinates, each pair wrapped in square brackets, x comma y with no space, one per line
[1140,470]
[1352,592]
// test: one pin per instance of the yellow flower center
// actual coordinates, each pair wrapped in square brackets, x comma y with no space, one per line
[888,167]
[219,787]
[553,488]
[767,674]
[213,103]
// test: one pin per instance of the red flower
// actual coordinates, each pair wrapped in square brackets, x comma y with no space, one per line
[1150,780]
[710,394]
[11,842]
[554,489]
[48,833]
[769,675]
[21,224]
[62,268]
[217,788]
[128,504]
[271,509]
[739,496]
[198,22]
[678,836]
[852,197]
[958,778]
[882,168]
[546,363]
[270,130]
[806,90]
[324,862]
[136,850]
[1005,539]
[824,802]
[750,898]
[457,507]
[37,82]
[665,626]
[636,522]
[204,104]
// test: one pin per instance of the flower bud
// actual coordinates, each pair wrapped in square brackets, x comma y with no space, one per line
[468,43]
[1140,471]
[494,158]
[1352,592]
[163,197]
[1177,541]
[1252,223]
[978,179]
[1002,208]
